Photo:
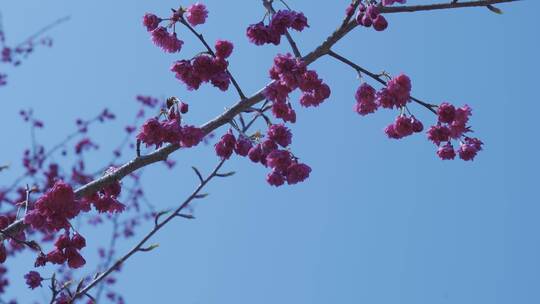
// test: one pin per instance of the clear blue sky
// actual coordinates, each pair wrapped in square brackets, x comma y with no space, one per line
[379,221]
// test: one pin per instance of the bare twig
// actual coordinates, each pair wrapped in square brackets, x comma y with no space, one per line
[441,6]
[140,245]
[44,30]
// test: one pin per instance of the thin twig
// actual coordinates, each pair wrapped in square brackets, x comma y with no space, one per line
[159,226]
[376,77]
[44,30]
[441,6]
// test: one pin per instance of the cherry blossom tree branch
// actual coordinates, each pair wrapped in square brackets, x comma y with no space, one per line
[211,51]
[244,104]
[377,78]
[139,247]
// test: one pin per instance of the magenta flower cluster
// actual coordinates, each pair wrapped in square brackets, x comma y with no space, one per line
[210,66]
[403,126]
[53,210]
[195,14]
[285,166]
[66,250]
[370,16]
[452,124]
[206,68]
[156,132]
[396,94]
[105,200]
[281,21]
[290,74]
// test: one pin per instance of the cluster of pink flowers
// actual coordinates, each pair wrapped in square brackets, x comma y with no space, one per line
[157,132]
[281,21]
[206,68]
[58,206]
[105,200]
[452,124]
[66,250]
[370,16]
[396,94]
[53,210]
[403,126]
[285,166]
[195,14]
[289,74]
[228,143]
[151,21]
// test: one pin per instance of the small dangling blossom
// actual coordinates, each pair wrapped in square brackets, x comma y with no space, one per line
[168,42]
[280,134]
[243,146]
[446,152]
[196,14]
[365,100]
[225,147]
[33,279]
[151,21]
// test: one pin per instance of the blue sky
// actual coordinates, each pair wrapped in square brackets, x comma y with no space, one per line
[379,221]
